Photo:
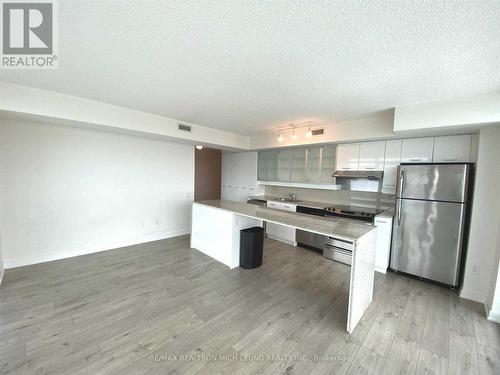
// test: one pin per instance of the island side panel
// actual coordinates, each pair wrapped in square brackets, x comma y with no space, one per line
[362,278]
[212,233]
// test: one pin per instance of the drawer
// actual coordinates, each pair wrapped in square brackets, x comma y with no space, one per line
[282,206]
[337,254]
[337,242]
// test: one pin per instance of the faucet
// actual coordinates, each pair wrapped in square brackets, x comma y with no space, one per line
[292,196]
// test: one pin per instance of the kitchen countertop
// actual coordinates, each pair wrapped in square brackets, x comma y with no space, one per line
[331,226]
[385,212]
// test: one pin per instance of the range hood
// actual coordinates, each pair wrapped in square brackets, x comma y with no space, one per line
[370,175]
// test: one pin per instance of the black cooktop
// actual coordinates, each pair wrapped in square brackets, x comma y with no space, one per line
[352,212]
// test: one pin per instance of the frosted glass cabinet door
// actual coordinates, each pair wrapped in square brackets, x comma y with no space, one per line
[272,165]
[327,164]
[313,164]
[298,170]
[417,150]
[452,149]
[371,156]
[348,157]
[284,165]
[262,166]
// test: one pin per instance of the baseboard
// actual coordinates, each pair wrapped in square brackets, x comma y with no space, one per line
[473,295]
[27,261]
[2,271]
[492,316]
[293,243]
[381,269]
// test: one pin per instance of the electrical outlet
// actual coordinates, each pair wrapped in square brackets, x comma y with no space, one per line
[157,221]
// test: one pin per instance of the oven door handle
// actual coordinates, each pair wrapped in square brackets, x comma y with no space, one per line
[338,249]
[338,243]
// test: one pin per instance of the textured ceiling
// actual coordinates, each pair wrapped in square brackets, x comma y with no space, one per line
[244,66]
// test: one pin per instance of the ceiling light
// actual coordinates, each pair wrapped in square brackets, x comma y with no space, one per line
[309,133]
[280,137]
[199,147]
[294,136]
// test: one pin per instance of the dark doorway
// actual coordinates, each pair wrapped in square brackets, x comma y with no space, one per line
[207,174]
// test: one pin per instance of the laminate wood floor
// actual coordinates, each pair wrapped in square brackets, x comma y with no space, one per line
[161,308]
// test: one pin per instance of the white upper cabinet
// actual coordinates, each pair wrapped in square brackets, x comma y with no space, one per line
[315,164]
[348,157]
[417,150]
[365,156]
[392,160]
[452,149]
[371,156]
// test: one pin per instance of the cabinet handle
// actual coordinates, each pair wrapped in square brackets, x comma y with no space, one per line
[370,167]
[415,159]
[346,168]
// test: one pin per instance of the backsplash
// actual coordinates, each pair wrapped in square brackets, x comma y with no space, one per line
[357,198]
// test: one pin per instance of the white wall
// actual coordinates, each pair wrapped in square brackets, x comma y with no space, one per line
[346,197]
[374,126]
[1,260]
[239,176]
[493,299]
[67,191]
[74,110]
[482,256]
[2,267]
[477,111]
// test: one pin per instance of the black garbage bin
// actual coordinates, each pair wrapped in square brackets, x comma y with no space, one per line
[251,247]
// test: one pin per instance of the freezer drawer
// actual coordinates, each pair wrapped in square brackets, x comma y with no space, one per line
[427,239]
[437,182]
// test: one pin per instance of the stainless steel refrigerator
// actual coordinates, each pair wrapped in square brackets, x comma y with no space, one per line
[430,220]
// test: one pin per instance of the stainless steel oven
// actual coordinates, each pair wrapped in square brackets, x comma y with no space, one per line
[310,240]
[334,248]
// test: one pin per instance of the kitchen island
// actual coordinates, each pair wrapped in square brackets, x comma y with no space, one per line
[216,226]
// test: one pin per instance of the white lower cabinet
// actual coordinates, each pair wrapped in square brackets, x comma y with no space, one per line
[281,232]
[384,235]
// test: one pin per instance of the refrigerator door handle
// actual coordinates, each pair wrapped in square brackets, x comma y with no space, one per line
[401,182]
[399,208]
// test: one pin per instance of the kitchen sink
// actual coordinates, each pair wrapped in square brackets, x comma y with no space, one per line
[288,200]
